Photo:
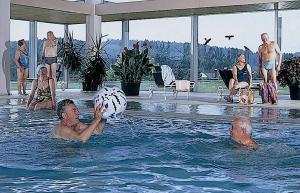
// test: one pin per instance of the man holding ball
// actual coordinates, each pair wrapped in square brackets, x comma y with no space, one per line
[70,127]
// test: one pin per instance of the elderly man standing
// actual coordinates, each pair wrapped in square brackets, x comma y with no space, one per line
[241,132]
[70,128]
[269,62]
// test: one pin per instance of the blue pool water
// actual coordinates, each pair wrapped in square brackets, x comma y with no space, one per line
[143,154]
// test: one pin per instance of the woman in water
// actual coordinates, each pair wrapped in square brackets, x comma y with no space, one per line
[45,91]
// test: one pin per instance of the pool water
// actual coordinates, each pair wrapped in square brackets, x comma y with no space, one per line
[144,154]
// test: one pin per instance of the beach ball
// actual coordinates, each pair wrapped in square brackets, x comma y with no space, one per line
[114,101]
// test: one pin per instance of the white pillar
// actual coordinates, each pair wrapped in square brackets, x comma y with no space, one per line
[125,33]
[278,26]
[32,49]
[5,47]
[194,50]
[66,72]
[93,23]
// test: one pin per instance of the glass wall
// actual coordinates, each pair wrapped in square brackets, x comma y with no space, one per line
[168,39]
[112,40]
[290,42]
[231,34]
[15,35]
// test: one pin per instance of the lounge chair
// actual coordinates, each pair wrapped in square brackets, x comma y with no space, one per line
[226,75]
[164,78]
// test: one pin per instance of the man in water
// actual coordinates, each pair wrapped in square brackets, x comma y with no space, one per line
[269,58]
[70,128]
[241,132]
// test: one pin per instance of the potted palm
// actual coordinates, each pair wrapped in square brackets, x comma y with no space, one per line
[70,52]
[93,69]
[90,62]
[130,67]
[289,75]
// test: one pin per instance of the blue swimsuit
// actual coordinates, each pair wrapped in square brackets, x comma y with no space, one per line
[268,65]
[23,60]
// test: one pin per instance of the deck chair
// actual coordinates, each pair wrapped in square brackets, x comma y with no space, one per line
[226,75]
[164,78]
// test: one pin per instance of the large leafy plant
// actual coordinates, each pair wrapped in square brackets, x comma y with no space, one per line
[132,65]
[93,68]
[289,75]
[70,52]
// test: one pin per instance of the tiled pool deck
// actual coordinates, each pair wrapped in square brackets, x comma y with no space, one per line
[263,112]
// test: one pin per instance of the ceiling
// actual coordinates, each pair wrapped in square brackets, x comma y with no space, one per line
[64,12]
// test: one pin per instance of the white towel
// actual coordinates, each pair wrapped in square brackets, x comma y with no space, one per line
[167,74]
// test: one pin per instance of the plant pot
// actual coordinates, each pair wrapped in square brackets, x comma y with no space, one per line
[295,92]
[89,86]
[131,88]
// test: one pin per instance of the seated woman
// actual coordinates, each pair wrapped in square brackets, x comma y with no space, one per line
[45,95]
[242,77]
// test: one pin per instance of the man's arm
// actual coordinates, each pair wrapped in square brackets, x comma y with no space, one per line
[100,127]
[279,55]
[86,134]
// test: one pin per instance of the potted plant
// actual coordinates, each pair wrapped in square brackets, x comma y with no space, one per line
[130,67]
[92,71]
[89,63]
[70,53]
[289,75]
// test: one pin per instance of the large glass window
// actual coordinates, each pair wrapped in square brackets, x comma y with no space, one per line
[231,34]
[113,40]
[290,43]
[168,40]
[18,30]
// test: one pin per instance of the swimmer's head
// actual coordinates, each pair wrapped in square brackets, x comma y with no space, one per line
[242,123]
[61,106]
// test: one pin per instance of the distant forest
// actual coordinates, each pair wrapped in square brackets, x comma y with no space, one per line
[176,55]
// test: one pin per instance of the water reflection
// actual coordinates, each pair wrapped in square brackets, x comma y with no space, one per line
[269,115]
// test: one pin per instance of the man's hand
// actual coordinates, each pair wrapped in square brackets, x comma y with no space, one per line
[278,68]
[99,112]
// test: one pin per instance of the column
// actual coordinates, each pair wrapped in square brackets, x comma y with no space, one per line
[194,50]
[66,72]
[125,33]
[93,23]
[278,26]
[32,49]
[5,47]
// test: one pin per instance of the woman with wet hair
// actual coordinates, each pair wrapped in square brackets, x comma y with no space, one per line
[49,55]
[45,91]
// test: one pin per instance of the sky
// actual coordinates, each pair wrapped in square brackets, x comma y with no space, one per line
[246,28]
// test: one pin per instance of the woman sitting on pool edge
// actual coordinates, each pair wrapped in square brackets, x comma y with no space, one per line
[45,95]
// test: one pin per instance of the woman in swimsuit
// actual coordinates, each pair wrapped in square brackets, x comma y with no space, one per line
[45,95]
[21,60]
[242,77]
[50,55]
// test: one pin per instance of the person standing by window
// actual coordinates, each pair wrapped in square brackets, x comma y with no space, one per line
[49,55]
[21,60]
